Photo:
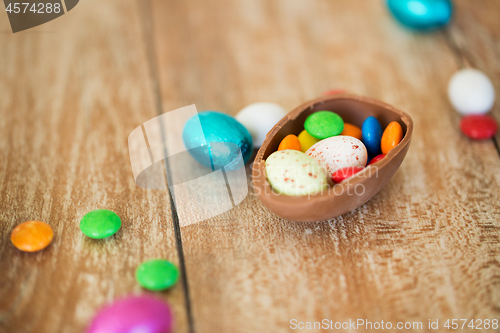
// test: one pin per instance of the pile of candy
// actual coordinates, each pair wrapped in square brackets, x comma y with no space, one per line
[328,148]
[133,313]
[472,94]
[146,313]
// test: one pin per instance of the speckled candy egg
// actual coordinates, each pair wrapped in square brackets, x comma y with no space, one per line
[421,14]
[143,314]
[339,152]
[292,172]
[218,140]
[259,119]
[471,92]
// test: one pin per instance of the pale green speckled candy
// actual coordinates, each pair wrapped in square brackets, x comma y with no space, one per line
[292,172]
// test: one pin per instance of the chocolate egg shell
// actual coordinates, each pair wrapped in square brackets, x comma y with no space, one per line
[341,198]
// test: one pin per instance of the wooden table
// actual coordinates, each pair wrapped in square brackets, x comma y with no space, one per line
[71,91]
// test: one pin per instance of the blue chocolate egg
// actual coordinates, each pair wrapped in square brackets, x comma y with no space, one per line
[371,132]
[421,14]
[219,140]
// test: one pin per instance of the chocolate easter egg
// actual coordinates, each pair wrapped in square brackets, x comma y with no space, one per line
[218,141]
[421,14]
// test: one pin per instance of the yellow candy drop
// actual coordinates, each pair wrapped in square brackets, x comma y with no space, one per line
[306,140]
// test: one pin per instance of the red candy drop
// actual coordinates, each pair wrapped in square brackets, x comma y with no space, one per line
[478,127]
[335,92]
[376,159]
[344,173]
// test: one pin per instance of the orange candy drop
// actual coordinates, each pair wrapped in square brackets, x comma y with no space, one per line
[352,130]
[32,236]
[391,137]
[290,142]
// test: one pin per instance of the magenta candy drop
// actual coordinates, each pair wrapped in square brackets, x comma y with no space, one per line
[143,314]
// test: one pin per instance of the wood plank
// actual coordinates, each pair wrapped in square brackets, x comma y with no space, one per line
[426,247]
[71,92]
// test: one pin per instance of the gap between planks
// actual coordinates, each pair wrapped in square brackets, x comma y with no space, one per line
[146,21]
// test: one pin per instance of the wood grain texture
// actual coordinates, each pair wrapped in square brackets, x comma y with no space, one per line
[71,92]
[426,247]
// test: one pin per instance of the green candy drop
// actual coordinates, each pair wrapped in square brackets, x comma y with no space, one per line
[324,124]
[100,223]
[157,274]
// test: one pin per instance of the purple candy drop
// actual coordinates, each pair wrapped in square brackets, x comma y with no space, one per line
[143,314]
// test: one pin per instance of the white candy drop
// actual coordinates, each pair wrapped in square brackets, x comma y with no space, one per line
[259,119]
[471,92]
